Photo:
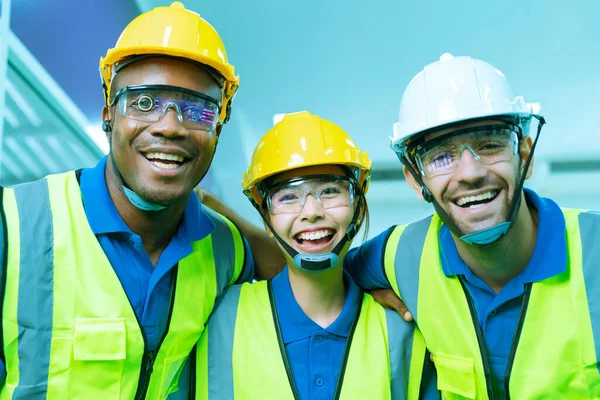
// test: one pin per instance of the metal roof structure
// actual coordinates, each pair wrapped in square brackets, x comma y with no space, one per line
[41,130]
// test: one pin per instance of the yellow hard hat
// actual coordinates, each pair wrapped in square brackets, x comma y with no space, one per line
[302,140]
[175,32]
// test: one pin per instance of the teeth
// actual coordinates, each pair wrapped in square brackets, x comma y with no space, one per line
[164,156]
[314,235]
[163,165]
[476,206]
[470,199]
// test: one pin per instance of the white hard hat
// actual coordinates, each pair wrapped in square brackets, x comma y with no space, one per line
[452,90]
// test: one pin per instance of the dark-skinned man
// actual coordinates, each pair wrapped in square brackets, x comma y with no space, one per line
[110,273]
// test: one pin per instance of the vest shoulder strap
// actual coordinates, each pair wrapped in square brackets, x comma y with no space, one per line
[229,249]
[589,230]
[402,260]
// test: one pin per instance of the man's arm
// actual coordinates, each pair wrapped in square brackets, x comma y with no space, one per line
[248,272]
[365,264]
[268,258]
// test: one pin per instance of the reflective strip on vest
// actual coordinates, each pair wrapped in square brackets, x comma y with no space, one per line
[562,309]
[243,357]
[215,349]
[72,332]
[36,291]
[225,237]
[589,225]
[10,327]
[413,240]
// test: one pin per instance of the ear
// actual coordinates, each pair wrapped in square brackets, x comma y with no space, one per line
[218,129]
[106,117]
[525,150]
[413,182]
[217,132]
[360,219]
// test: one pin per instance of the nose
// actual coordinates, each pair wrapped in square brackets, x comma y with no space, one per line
[312,210]
[469,169]
[171,123]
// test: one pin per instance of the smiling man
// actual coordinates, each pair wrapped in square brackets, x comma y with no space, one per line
[110,273]
[502,283]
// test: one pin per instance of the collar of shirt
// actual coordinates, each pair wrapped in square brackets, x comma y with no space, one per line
[294,323]
[549,256]
[104,218]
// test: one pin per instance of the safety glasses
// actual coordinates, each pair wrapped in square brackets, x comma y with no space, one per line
[487,144]
[150,103]
[329,191]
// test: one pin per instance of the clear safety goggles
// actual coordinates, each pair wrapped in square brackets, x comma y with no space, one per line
[150,103]
[487,144]
[329,191]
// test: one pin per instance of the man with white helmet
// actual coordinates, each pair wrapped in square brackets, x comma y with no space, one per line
[502,283]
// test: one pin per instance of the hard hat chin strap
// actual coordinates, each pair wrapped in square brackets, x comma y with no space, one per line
[489,235]
[132,196]
[316,262]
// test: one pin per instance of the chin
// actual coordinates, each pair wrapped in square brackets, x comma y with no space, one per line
[160,196]
[479,226]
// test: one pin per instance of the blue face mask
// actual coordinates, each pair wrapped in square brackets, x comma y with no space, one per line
[140,203]
[487,236]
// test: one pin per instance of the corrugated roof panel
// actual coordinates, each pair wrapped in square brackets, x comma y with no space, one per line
[22,155]
[44,132]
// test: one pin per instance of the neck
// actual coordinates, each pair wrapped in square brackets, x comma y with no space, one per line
[321,295]
[155,228]
[499,262]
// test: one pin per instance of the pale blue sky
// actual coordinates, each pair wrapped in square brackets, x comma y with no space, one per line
[349,62]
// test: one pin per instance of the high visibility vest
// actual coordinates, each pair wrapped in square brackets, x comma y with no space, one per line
[69,329]
[556,347]
[242,355]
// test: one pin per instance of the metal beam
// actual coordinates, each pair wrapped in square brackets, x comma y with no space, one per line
[21,157]
[23,62]
[4,40]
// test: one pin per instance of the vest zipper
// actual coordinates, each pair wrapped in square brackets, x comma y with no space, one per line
[193,354]
[516,337]
[146,373]
[286,361]
[340,381]
[480,341]
[149,357]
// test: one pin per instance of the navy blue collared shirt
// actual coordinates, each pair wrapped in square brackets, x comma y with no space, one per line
[147,287]
[315,354]
[498,314]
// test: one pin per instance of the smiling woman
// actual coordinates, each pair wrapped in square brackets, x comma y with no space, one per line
[309,332]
